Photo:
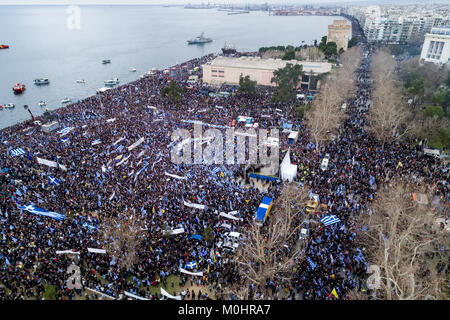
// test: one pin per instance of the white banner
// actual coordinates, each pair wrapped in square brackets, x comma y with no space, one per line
[66,251]
[50,163]
[137,143]
[229,216]
[134,296]
[191,273]
[174,176]
[98,292]
[194,205]
[123,138]
[97,250]
[123,160]
[176,231]
[168,295]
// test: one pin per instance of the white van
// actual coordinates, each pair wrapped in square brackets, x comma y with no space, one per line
[230,242]
[325,161]
[432,152]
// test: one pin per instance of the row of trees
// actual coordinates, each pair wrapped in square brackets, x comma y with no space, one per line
[389,118]
[326,114]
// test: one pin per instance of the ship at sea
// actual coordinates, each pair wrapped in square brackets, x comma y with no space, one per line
[228,49]
[199,40]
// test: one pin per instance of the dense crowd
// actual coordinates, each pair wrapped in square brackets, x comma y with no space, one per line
[106,179]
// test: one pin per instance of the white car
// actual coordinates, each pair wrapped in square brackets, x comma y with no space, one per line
[325,161]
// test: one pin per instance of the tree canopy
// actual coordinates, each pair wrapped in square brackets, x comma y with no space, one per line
[246,85]
[287,80]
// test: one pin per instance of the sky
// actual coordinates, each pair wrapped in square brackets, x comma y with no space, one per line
[168,2]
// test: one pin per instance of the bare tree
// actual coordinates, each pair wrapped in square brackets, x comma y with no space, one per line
[325,115]
[404,241]
[122,235]
[272,250]
[388,117]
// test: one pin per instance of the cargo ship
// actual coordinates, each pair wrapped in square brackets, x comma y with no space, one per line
[19,88]
[4,46]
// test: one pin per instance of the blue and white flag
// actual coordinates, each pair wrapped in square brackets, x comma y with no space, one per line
[53,180]
[41,212]
[64,140]
[95,142]
[191,265]
[89,226]
[64,131]
[311,263]
[17,152]
[329,220]
[215,170]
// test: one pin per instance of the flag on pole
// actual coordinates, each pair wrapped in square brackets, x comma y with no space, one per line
[53,180]
[334,293]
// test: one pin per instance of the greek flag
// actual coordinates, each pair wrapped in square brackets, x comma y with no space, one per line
[329,220]
[53,180]
[17,152]
[215,170]
[64,140]
[311,263]
[191,265]
[89,226]
[41,212]
[64,131]
[95,142]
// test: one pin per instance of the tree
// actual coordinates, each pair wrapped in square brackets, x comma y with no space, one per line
[246,85]
[50,292]
[272,251]
[289,55]
[172,92]
[208,234]
[352,42]
[434,112]
[287,80]
[405,242]
[122,238]
[388,118]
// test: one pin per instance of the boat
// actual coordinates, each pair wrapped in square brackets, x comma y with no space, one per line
[106,61]
[66,100]
[1,107]
[112,82]
[4,46]
[81,81]
[199,40]
[9,105]
[41,81]
[133,69]
[42,103]
[19,88]
[227,49]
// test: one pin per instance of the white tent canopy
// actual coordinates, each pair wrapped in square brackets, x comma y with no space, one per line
[288,171]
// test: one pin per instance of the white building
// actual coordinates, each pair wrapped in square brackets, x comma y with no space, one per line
[436,47]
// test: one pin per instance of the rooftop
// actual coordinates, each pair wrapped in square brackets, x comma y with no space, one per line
[268,64]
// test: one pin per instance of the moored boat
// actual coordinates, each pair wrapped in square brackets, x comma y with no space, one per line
[199,40]
[133,69]
[106,61]
[112,82]
[42,103]
[4,46]
[9,105]
[66,100]
[41,81]
[19,88]
[81,81]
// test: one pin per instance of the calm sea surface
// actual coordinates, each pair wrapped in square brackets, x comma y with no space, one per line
[143,37]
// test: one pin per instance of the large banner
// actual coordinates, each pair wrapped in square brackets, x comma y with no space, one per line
[229,216]
[200,274]
[103,251]
[137,143]
[168,295]
[174,176]
[41,212]
[50,163]
[194,205]
[134,296]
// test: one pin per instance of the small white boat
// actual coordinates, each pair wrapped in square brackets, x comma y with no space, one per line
[41,81]
[9,105]
[133,69]
[42,103]
[81,81]
[66,100]
[112,82]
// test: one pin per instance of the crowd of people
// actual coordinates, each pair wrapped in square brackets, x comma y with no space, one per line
[98,176]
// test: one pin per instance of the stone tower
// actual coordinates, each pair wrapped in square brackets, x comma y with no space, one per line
[340,33]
